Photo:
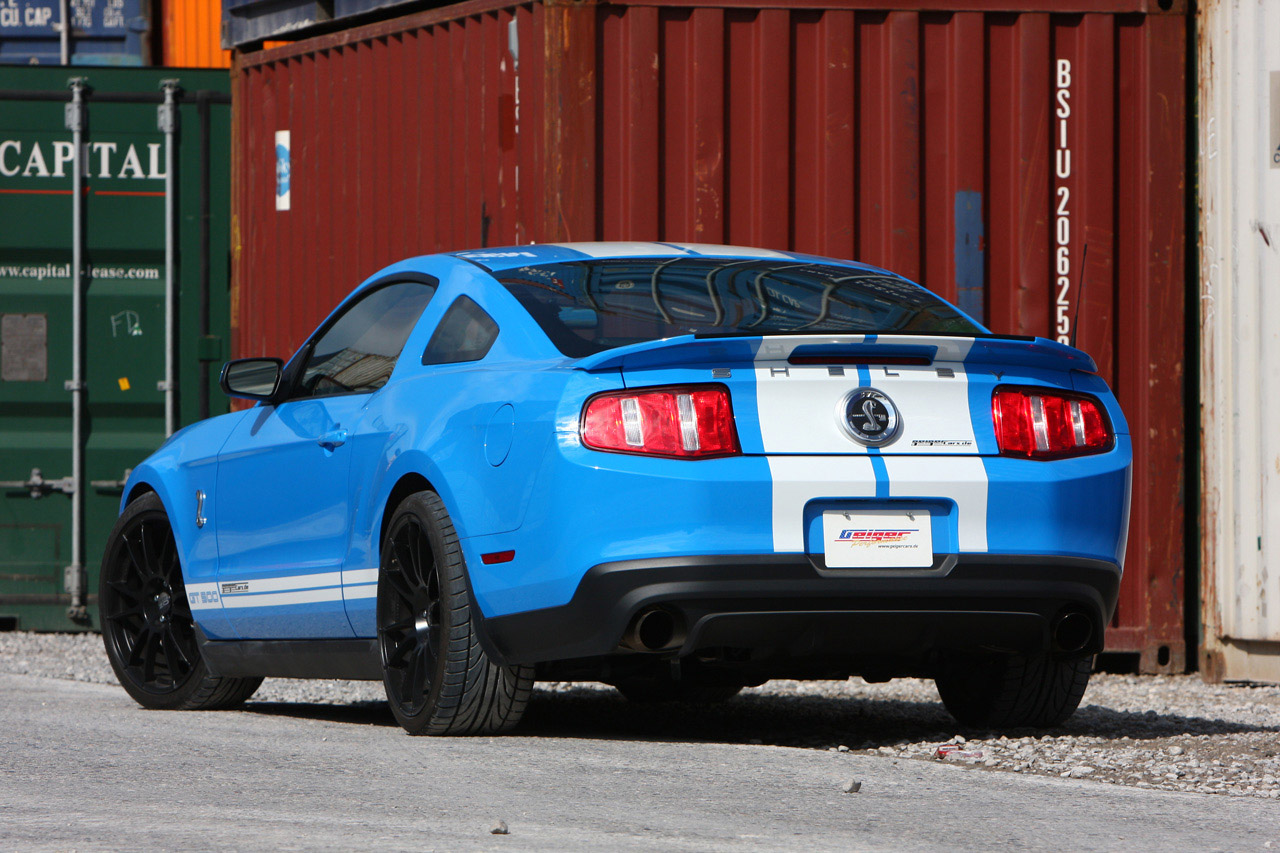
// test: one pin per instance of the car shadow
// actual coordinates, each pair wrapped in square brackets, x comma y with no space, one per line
[808,722]
[356,713]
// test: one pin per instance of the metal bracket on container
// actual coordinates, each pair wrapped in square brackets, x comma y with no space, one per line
[167,113]
[111,485]
[38,486]
[74,581]
[72,385]
[73,112]
[162,385]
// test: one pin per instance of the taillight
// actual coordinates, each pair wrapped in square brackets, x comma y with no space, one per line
[685,422]
[1039,424]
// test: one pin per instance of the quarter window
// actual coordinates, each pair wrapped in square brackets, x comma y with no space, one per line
[465,333]
[358,351]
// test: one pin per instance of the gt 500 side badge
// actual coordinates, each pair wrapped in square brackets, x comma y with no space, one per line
[869,417]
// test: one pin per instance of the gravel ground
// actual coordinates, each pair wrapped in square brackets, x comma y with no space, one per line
[1167,732]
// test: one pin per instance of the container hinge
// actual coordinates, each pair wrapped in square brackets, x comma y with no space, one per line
[162,385]
[112,485]
[167,113]
[38,486]
[72,385]
[75,581]
[73,112]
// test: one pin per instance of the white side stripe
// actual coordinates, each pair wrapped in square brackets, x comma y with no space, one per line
[315,588]
[368,590]
[359,576]
[279,584]
[276,599]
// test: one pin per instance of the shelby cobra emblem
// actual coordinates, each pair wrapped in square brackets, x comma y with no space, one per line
[869,417]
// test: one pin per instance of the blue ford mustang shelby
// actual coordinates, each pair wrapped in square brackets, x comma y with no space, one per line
[678,469]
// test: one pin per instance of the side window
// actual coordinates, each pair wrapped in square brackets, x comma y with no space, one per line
[465,333]
[357,353]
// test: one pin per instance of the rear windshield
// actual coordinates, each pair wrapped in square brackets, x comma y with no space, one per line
[589,306]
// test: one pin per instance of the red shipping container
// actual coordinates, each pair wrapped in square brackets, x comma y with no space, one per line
[1028,165]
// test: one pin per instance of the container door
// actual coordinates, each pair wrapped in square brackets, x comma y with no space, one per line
[123,331]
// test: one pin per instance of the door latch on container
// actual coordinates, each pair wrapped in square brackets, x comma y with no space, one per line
[110,485]
[38,486]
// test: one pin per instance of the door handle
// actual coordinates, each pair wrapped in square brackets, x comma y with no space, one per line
[332,439]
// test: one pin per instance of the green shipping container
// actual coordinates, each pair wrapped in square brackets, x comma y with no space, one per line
[123,330]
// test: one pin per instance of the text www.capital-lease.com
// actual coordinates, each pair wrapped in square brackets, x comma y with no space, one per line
[40,272]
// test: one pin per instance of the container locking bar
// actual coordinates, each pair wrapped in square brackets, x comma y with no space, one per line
[112,485]
[76,577]
[38,486]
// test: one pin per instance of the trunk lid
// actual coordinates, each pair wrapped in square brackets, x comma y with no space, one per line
[843,394]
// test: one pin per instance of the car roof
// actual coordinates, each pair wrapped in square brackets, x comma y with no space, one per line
[511,257]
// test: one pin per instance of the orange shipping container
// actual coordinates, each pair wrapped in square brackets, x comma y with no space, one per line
[191,34]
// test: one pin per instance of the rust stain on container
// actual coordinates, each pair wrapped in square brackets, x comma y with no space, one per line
[978,148]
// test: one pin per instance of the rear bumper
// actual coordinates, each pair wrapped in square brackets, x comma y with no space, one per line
[786,606]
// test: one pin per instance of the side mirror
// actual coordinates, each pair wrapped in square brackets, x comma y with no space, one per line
[252,378]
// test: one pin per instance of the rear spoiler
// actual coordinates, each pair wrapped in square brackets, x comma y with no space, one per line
[728,351]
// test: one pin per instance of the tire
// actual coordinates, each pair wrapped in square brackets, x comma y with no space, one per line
[1013,691]
[438,679]
[147,626]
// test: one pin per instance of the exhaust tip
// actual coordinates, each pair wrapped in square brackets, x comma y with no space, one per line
[1072,631]
[654,630]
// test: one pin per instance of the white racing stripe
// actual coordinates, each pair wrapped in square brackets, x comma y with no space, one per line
[799,414]
[800,405]
[800,479]
[734,251]
[287,590]
[963,480]
[621,250]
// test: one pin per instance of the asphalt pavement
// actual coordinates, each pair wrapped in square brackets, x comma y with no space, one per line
[83,768]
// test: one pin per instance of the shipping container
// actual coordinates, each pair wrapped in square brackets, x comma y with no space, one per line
[100,32]
[122,331]
[190,33]
[1028,164]
[1239,213]
[247,22]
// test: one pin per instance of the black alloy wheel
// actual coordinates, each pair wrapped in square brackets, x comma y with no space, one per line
[147,625]
[412,635]
[438,678]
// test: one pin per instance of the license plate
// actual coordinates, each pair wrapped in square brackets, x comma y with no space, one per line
[877,539]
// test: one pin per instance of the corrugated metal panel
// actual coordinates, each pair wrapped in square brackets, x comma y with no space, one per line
[191,34]
[249,21]
[1239,161]
[978,151]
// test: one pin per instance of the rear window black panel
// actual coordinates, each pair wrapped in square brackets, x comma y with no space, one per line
[593,305]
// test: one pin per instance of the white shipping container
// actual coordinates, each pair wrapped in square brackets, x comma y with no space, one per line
[1239,166]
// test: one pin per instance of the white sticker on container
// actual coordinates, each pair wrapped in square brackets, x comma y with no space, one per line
[283,170]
